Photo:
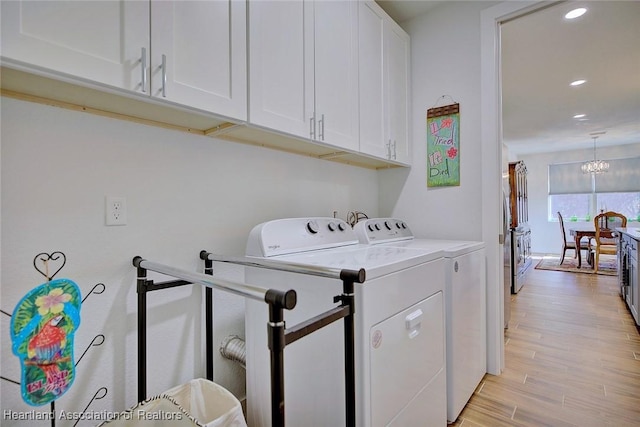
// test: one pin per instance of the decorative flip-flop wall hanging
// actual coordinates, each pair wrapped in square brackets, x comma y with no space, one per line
[43,326]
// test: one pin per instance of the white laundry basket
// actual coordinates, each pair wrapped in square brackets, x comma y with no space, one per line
[199,402]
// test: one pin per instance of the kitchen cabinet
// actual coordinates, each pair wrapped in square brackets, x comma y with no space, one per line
[384,85]
[629,274]
[131,45]
[303,75]
[634,296]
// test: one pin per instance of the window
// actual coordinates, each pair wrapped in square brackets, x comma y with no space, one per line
[627,204]
[579,197]
[573,207]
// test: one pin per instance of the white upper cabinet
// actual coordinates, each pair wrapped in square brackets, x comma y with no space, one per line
[372,85]
[100,41]
[280,74]
[202,45]
[122,44]
[397,69]
[304,69]
[384,85]
[336,72]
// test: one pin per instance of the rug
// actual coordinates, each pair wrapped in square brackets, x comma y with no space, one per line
[608,265]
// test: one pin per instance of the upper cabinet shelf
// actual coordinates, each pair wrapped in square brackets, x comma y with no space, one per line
[183,65]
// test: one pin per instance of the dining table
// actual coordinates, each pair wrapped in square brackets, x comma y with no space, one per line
[579,233]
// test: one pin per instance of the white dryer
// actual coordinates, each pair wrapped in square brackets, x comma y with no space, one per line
[399,329]
[465,298]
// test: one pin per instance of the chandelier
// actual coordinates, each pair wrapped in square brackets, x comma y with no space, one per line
[595,166]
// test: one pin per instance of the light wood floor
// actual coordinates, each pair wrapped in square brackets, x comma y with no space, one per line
[572,358]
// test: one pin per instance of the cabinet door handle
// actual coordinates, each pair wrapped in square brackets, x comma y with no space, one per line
[389,150]
[143,66]
[312,126]
[394,149]
[321,126]
[164,76]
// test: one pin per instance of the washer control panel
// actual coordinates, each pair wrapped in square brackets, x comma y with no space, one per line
[292,235]
[382,230]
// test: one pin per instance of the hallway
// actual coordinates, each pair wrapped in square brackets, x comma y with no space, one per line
[572,358]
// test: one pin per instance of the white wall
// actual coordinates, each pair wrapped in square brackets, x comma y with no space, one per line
[184,193]
[445,55]
[545,235]
[446,46]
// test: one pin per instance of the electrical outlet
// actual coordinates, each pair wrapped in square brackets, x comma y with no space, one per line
[115,211]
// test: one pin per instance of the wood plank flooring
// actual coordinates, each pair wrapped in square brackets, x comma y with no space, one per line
[572,358]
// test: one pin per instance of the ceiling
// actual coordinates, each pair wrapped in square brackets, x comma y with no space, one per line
[542,53]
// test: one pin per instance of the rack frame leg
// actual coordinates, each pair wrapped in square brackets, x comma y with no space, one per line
[276,327]
[142,334]
[208,269]
[348,299]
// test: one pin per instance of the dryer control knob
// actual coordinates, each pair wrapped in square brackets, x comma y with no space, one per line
[312,227]
[388,225]
[332,226]
[370,227]
[341,226]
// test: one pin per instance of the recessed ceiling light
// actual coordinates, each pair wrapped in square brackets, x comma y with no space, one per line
[578,82]
[579,116]
[575,13]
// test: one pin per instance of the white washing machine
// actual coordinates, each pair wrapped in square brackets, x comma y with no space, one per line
[399,329]
[465,299]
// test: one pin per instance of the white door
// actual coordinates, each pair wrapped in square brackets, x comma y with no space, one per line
[101,41]
[371,71]
[397,57]
[281,66]
[407,353]
[336,72]
[203,44]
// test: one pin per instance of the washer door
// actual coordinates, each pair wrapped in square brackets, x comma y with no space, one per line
[407,352]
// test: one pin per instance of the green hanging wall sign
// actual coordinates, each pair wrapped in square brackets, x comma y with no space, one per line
[443,146]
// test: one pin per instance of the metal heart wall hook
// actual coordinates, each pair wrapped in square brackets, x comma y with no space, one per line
[45,258]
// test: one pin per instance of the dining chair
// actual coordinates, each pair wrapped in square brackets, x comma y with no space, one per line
[604,241]
[569,244]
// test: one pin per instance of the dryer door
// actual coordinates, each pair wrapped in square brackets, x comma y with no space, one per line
[407,353]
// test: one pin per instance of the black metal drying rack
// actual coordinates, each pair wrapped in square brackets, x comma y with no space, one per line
[279,336]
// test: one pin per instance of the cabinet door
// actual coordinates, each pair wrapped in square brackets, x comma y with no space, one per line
[633,284]
[281,66]
[397,67]
[336,72]
[371,71]
[384,80]
[203,44]
[101,41]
